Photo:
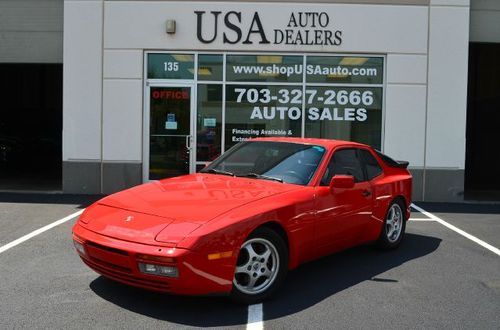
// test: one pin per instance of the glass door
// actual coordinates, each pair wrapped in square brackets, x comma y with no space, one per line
[168,152]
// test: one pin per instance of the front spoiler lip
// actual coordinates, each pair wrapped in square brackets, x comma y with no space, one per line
[197,280]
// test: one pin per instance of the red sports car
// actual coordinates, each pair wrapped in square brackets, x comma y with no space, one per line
[262,208]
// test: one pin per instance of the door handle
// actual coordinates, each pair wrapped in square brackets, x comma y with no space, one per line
[366,193]
[188,142]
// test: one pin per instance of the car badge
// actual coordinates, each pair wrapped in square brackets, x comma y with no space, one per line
[129,218]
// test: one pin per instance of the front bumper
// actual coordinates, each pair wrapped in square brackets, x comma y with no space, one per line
[117,260]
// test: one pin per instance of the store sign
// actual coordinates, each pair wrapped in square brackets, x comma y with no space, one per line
[235,27]
[283,107]
[338,103]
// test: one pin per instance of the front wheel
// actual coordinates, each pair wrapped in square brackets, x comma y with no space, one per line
[394,226]
[261,266]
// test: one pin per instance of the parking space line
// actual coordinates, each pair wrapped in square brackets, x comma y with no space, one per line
[457,230]
[421,219]
[255,317]
[38,231]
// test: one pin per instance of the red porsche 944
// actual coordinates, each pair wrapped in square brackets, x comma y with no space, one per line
[264,207]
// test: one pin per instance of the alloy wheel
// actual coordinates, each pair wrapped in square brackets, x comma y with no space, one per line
[394,223]
[257,266]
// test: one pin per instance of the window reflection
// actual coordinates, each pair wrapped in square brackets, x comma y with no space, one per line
[344,113]
[209,122]
[269,110]
[210,67]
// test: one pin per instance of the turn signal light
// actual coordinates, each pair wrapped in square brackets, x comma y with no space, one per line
[220,255]
[146,257]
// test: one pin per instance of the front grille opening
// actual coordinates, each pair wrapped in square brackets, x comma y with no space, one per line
[113,266]
[107,248]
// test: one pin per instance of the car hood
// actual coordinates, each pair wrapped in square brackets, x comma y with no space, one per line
[168,210]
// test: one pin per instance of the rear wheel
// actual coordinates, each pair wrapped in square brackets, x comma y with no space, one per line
[394,226]
[261,266]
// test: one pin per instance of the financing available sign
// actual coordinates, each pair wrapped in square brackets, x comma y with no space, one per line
[236,27]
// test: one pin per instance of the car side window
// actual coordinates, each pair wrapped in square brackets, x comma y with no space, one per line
[344,161]
[371,164]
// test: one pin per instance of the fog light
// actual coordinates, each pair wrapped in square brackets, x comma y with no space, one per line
[168,271]
[150,268]
[79,247]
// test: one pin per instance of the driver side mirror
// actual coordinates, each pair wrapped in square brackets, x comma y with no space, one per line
[342,181]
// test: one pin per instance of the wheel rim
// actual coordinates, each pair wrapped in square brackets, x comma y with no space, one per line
[394,223]
[257,266]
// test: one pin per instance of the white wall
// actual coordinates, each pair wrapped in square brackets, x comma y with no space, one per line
[405,106]
[370,28]
[114,63]
[82,80]
[122,105]
[400,31]
[31,31]
[447,86]
[122,120]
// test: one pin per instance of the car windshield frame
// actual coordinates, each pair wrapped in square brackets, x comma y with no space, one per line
[295,156]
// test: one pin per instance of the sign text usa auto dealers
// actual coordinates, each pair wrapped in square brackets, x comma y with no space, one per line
[303,28]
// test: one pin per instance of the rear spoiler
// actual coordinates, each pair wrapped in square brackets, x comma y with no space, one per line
[391,162]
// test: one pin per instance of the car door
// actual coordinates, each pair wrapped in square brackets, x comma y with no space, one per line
[380,194]
[341,214]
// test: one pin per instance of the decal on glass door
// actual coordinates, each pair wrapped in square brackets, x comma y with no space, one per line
[171,123]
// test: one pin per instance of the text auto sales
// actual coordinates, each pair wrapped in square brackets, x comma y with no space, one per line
[303,28]
[352,104]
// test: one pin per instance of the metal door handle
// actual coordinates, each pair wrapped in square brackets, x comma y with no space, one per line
[366,193]
[188,142]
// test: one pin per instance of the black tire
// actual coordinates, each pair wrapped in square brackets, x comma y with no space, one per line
[386,242]
[261,236]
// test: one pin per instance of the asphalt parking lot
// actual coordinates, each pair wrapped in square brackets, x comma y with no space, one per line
[436,279]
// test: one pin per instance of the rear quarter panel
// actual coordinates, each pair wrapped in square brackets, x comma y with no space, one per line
[394,183]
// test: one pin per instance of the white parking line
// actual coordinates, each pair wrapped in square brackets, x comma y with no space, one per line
[421,219]
[457,230]
[255,317]
[38,231]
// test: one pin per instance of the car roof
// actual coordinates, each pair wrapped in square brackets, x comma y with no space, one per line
[327,143]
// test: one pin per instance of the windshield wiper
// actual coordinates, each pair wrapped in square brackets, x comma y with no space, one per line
[260,176]
[213,170]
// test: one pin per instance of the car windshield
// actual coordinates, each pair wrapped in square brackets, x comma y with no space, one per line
[280,161]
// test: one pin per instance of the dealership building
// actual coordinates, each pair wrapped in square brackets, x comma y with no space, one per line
[102,95]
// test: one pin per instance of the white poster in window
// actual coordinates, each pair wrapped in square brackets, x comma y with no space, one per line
[171,123]
[209,122]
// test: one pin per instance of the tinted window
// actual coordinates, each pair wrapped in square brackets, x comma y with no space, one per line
[344,162]
[373,168]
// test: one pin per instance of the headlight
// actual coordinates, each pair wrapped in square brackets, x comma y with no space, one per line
[168,271]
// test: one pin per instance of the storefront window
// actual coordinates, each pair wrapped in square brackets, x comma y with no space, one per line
[267,68]
[331,97]
[346,113]
[170,66]
[210,67]
[209,122]
[269,110]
